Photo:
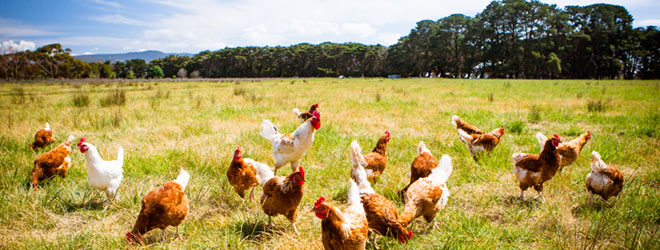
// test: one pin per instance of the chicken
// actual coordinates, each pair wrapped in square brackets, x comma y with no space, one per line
[43,137]
[54,162]
[346,229]
[428,195]
[304,116]
[290,148]
[603,180]
[281,195]
[242,175]
[476,140]
[421,167]
[532,170]
[162,207]
[377,158]
[381,213]
[103,175]
[569,151]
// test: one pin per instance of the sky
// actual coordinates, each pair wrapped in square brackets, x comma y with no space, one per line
[191,26]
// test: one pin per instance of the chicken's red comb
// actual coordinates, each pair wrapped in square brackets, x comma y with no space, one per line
[410,233]
[316,114]
[82,140]
[387,132]
[319,202]
[316,105]
[302,172]
[238,148]
[556,136]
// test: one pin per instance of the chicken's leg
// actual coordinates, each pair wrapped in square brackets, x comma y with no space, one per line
[591,196]
[252,193]
[373,239]
[522,195]
[178,234]
[163,234]
[294,166]
[294,228]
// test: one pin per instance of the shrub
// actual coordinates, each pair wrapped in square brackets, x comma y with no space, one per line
[534,114]
[18,96]
[596,105]
[515,127]
[239,91]
[490,97]
[155,72]
[116,97]
[80,99]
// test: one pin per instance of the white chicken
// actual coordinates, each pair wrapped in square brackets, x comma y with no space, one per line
[103,175]
[290,148]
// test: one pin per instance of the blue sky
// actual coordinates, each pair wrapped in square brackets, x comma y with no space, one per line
[110,26]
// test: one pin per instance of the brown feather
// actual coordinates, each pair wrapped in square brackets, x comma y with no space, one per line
[421,200]
[333,235]
[382,215]
[242,176]
[162,207]
[421,167]
[281,195]
[42,138]
[51,163]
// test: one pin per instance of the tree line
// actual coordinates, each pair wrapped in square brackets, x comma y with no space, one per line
[508,39]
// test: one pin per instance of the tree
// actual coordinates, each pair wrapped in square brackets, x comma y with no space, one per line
[155,72]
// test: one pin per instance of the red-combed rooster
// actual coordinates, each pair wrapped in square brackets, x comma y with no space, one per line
[377,158]
[532,170]
[54,162]
[242,175]
[43,137]
[162,207]
[290,148]
[381,213]
[344,230]
[603,180]
[281,195]
[428,195]
[421,167]
[306,115]
[476,140]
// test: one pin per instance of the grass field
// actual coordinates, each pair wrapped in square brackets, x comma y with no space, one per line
[197,125]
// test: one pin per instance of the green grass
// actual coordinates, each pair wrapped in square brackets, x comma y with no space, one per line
[197,125]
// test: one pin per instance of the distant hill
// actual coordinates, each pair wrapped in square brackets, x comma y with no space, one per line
[147,55]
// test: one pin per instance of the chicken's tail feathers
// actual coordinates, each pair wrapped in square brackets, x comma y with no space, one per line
[464,136]
[297,112]
[356,154]
[455,120]
[120,154]
[268,130]
[354,201]
[517,157]
[541,138]
[442,172]
[597,163]
[47,128]
[264,173]
[422,148]
[182,179]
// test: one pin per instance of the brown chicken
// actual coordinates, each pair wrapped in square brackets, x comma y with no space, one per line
[377,158]
[54,162]
[428,195]
[421,167]
[242,175]
[281,195]
[603,180]
[532,170]
[381,213]
[476,140]
[162,207]
[569,151]
[303,116]
[43,137]
[347,230]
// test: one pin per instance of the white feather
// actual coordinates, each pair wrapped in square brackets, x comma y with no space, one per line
[264,173]
[47,128]
[517,157]
[422,148]
[541,138]
[454,119]
[354,201]
[182,179]
[440,174]
[296,111]
[268,130]
[464,136]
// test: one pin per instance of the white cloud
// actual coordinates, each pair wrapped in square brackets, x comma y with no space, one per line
[8,47]
[107,3]
[118,19]
[647,22]
[11,28]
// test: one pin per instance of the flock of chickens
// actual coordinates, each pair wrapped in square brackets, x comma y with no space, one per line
[367,212]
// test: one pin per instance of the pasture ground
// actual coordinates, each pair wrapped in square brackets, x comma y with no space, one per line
[165,126]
